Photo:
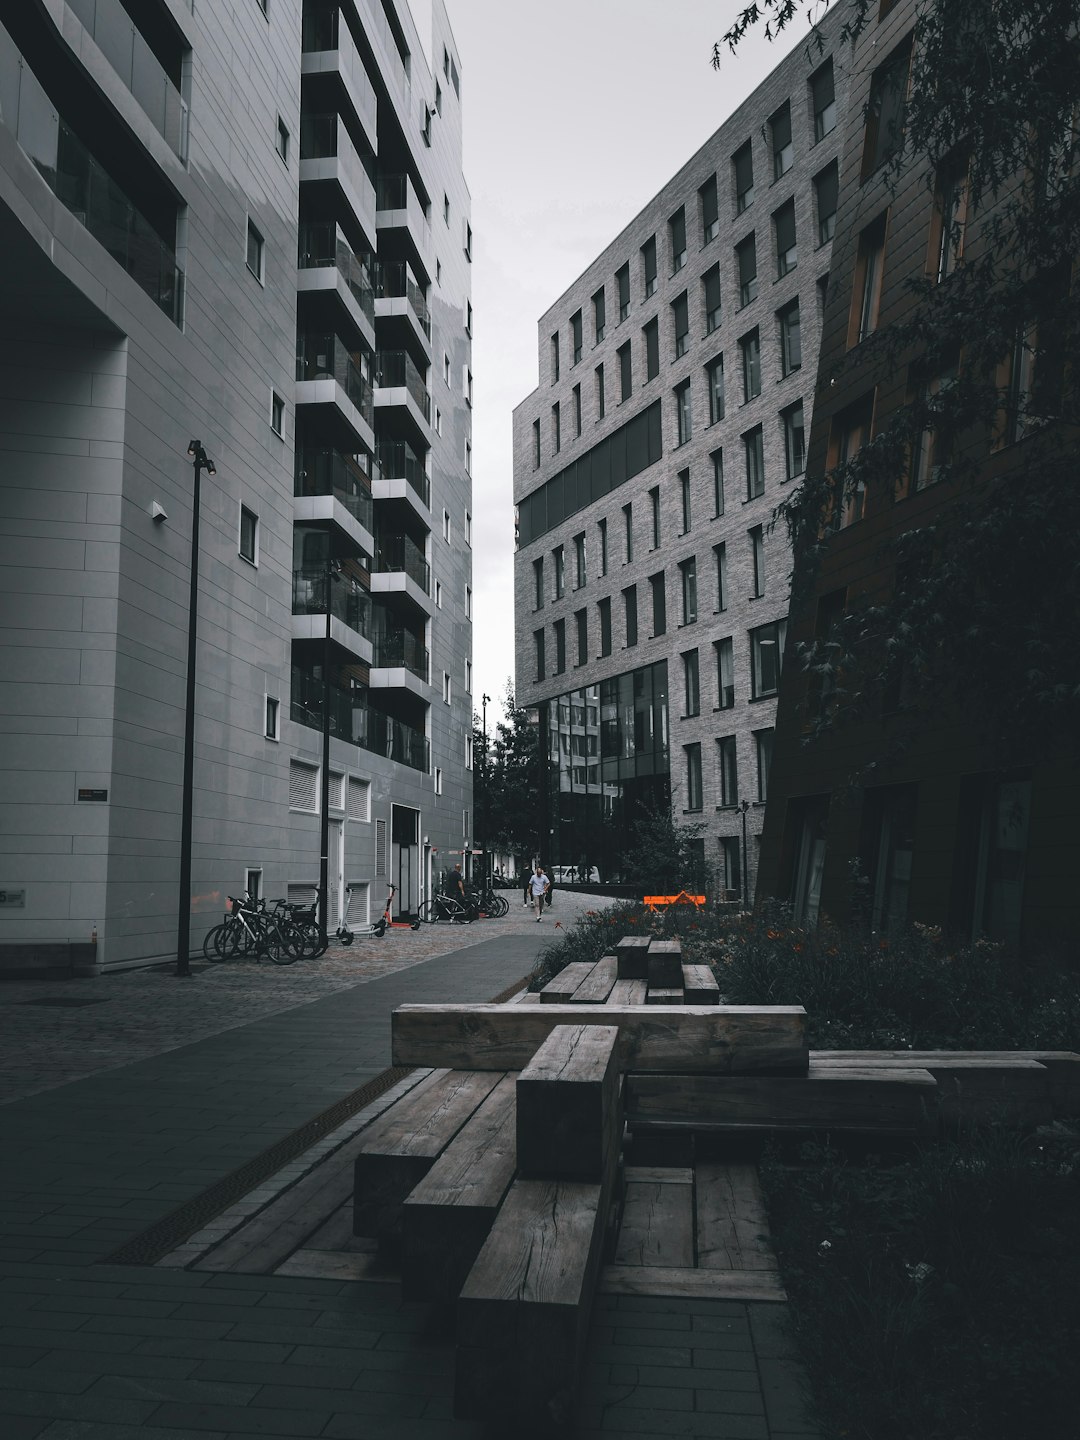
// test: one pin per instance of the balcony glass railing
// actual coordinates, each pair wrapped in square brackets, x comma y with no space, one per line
[397,192]
[326,472]
[348,602]
[324,30]
[322,244]
[354,720]
[394,280]
[395,370]
[324,137]
[397,461]
[401,553]
[137,66]
[325,357]
[400,649]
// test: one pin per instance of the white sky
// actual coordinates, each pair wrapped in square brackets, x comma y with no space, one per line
[576,112]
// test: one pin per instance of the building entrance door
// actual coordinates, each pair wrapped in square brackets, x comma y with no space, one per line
[405,858]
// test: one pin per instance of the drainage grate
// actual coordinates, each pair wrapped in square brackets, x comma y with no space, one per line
[68,1002]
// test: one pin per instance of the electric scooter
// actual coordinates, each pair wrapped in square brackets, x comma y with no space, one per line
[377,928]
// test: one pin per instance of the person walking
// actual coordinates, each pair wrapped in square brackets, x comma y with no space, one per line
[538,887]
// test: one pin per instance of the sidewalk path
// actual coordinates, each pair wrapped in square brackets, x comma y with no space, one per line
[122,1110]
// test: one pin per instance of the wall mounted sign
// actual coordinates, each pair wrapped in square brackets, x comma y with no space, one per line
[12,899]
[93,794]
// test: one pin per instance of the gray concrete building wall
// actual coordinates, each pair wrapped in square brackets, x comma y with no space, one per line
[742,612]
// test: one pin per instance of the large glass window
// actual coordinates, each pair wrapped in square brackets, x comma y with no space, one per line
[826,188]
[622,284]
[659,603]
[766,655]
[711,283]
[684,424]
[787,251]
[720,558]
[651,333]
[688,575]
[746,263]
[728,765]
[742,163]
[753,449]
[693,776]
[790,338]
[794,440]
[680,314]
[750,353]
[604,615]
[630,614]
[885,109]
[783,151]
[763,745]
[691,685]
[823,95]
[677,236]
[710,211]
[725,674]
[599,306]
[714,375]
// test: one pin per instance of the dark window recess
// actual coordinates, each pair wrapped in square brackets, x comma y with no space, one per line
[885,109]
[648,263]
[824,95]
[652,350]
[710,211]
[743,163]
[826,187]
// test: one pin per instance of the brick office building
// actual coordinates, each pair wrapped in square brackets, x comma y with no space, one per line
[943,830]
[675,390]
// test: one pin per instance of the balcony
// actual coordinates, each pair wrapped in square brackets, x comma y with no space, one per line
[401,578]
[401,475]
[327,372]
[350,608]
[328,263]
[401,395]
[352,719]
[404,228]
[326,483]
[327,154]
[111,28]
[401,304]
[329,49]
[402,554]
[395,648]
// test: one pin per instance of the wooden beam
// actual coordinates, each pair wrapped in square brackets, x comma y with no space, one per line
[657,1224]
[665,965]
[598,984]
[732,1226]
[657,996]
[689,1039]
[972,1090]
[699,985]
[632,953]
[446,1218]
[559,990]
[741,1285]
[1063,1066]
[628,992]
[568,1113]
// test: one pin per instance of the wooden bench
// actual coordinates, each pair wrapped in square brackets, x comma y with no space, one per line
[568,1113]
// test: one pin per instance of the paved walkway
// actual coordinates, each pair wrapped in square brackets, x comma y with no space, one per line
[121,1110]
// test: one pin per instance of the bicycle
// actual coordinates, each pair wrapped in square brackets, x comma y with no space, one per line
[249,929]
[492,904]
[443,907]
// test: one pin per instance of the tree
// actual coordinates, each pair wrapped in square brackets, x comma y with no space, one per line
[984,613]
[510,772]
[664,857]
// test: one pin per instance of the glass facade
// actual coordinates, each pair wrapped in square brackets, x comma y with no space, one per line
[607,749]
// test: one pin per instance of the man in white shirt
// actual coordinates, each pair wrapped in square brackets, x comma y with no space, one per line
[538,885]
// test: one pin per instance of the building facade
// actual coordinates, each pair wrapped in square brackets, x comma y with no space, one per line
[912,812]
[675,394]
[246,225]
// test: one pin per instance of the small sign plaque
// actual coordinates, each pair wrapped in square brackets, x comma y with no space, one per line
[12,899]
[93,794]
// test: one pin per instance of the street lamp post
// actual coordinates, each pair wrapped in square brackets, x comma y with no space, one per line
[200,462]
[324,805]
[745,807]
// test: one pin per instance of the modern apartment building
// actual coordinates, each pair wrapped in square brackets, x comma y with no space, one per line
[676,385]
[246,225]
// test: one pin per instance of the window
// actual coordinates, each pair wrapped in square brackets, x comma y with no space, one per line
[691,685]
[536,443]
[794,440]
[728,766]
[750,355]
[683,424]
[725,674]
[866,292]
[438,595]
[680,311]
[438,421]
[446,369]
[255,249]
[714,376]
[581,620]
[711,284]
[468,457]
[720,559]
[654,510]
[950,219]
[648,266]
[626,383]
[753,449]
[468,677]
[468,602]
[630,614]
[576,396]
[277,413]
[659,604]
[599,392]
[599,312]
[684,495]
[425,129]
[273,712]
[746,262]
[1016,385]
[622,284]
[575,335]
[823,99]
[601,536]
[693,776]
[438,98]
[710,211]
[604,613]
[446,525]
[931,448]
[249,535]
[743,165]
[787,252]
[538,583]
[717,458]
[446,688]
[688,577]
[651,333]
[850,432]
[780,132]
[446,210]
[556,428]
[554,357]
[438,781]
[467,388]
[283,138]
[730,866]
[580,569]
[538,652]
[359,799]
[885,109]
[766,654]
[467,243]
[790,338]
[763,742]
[826,186]
[628,532]
[560,572]
[468,317]
[756,537]
[303,786]
[677,234]
[468,529]
[560,646]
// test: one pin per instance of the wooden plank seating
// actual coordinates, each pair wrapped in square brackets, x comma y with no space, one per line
[628,992]
[699,985]
[569,1117]
[446,1218]
[598,984]
[972,1089]
[399,1148]
[692,1039]
[665,965]
[657,996]
[632,953]
[559,990]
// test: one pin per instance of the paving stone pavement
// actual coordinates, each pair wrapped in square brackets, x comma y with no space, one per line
[121,1111]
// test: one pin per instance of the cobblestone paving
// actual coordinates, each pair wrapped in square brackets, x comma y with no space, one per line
[146,1012]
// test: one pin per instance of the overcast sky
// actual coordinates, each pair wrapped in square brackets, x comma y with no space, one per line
[576,113]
